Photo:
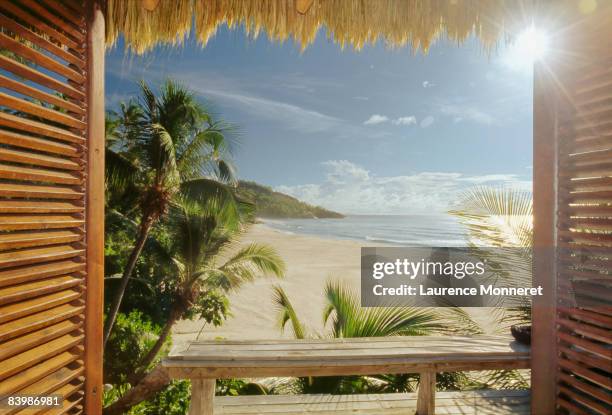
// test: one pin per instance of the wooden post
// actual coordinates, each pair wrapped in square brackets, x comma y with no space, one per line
[426,398]
[94,225]
[202,397]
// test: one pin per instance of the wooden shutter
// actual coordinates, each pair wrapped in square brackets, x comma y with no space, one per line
[584,272]
[584,227]
[46,151]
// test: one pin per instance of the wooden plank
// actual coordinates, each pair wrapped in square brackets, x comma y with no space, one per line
[586,373]
[582,354]
[576,383]
[592,332]
[40,111]
[61,10]
[38,144]
[426,401]
[477,347]
[94,320]
[37,159]
[38,372]
[34,75]
[192,370]
[28,290]
[25,207]
[38,222]
[24,89]
[33,356]
[38,321]
[34,272]
[37,175]
[584,400]
[33,239]
[76,33]
[72,394]
[19,344]
[51,383]
[36,127]
[38,255]
[35,305]
[545,105]
[202,397]
[29,18]
[40,59]
[25,33]
[449,403]
[42,192]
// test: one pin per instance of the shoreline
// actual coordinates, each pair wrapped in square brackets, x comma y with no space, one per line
[311,261]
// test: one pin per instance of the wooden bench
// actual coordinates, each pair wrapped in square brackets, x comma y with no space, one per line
[203,362]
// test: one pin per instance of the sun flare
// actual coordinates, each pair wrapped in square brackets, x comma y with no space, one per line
[529,46]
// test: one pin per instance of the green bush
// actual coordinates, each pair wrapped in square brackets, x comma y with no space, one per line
[174,400]
[132,337]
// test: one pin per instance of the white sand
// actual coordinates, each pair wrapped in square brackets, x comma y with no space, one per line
[310,261]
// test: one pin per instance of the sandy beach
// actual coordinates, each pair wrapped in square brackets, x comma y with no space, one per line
[310,261]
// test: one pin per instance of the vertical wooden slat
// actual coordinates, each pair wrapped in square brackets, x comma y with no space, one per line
[544,222]
[95,209]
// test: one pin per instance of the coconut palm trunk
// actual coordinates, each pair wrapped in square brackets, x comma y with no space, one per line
[155,381]
[143,234]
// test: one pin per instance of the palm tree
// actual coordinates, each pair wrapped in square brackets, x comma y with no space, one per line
[198,238]
[501,218]
[346,318]
[205,257]
[159,147]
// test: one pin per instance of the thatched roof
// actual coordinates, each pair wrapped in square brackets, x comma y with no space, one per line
[412,23]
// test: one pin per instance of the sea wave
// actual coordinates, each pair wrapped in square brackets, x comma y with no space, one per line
[425,242]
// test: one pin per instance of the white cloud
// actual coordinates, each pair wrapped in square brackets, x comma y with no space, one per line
[427,84]
[427,121]
[293,116]
[408,120]
[376,119]
[461,112]
[349,188]
[361,98]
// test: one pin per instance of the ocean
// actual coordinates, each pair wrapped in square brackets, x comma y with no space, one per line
[404,230]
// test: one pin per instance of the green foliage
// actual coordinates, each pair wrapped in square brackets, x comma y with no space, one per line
[174,400]
[346,318]
[271,204]
[502,218]
[211,306]
[235,387]
[133,336]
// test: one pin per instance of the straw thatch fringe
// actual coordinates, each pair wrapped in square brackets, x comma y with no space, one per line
[413,23]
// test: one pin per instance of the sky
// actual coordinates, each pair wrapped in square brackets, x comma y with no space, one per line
[376,131]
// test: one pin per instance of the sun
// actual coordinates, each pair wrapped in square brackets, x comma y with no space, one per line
[529,46]
[533,42]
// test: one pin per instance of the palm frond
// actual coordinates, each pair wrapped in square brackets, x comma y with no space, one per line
[248,263]
[349,319]
[163,155]
[496,216]
[286,313]
[219,198]
[119,170]
[500,232]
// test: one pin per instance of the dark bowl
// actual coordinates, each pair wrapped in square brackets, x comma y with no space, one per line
[522,334]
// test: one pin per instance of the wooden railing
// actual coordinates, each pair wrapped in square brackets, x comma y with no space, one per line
[203,362]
